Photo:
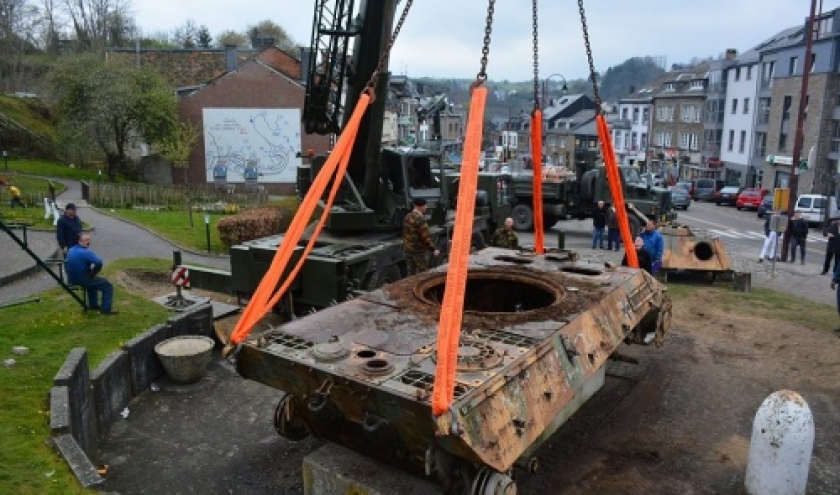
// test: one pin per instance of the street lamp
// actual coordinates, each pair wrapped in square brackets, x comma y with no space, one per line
[545,87]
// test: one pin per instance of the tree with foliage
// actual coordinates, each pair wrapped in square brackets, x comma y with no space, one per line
[270,30]
[231,38]
[204,39]
[178,145]
[104,107]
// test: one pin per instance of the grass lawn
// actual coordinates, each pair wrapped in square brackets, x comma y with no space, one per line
[50,329]
[51,169]
[175,226]
[762,303]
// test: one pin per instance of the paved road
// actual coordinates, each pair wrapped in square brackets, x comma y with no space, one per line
[111,239]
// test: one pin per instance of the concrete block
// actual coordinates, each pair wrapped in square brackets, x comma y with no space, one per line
[75,375]
[194,321]
[59,410]
[335,470]
[111,384]
[79,463]
[143,362]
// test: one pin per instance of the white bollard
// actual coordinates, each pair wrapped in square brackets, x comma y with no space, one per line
[781,446]
[47,208]
[56,214]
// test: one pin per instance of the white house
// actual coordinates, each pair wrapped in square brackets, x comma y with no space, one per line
[739,117]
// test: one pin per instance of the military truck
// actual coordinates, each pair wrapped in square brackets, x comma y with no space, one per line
[567,195]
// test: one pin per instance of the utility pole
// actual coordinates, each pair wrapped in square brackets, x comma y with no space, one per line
[800,124]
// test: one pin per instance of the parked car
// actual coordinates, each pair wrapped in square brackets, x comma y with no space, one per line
[766,206]
[688,186]
[706,188]
[750,198]
[679,197]
[812,207]
[727,196]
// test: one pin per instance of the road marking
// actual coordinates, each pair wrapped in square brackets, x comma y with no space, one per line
[750,234]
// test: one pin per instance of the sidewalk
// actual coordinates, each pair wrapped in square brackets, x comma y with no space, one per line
[112,239]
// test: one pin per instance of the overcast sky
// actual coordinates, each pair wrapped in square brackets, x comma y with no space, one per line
[443,38]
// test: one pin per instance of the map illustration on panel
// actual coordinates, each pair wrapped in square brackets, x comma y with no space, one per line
[251,144]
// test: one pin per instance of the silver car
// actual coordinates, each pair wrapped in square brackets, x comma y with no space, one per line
[679,197]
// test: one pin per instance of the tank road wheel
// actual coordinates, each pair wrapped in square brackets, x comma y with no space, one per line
[387,275]
[523,218]
[489,482]
[287,423]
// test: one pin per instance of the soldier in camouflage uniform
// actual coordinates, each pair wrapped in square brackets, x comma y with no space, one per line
[505,237]
[417,242]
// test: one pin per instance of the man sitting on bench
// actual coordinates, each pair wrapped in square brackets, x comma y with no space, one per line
[83,267]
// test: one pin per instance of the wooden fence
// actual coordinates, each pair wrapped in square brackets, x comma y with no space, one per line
[153,197]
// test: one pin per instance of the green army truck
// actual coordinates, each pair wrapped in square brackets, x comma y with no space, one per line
[567,195]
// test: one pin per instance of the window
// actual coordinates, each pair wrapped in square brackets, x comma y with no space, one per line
[813,62]
[734,105]
[782,141]
[670,86]
[760,145]
[693,142]
[749,72]
[636,115]
[618,139]
[835,136]
[688,141]
[665,114]
[645,115]
[743,142]
[737,74]
[623,114]
[792,66]
[731,140]
[643,144]
[695,85]
[746,105]
[633,141]
[786,108]
[684,140]
[663,138]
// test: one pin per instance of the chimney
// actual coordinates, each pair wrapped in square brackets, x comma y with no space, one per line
[731,53]
[230,58]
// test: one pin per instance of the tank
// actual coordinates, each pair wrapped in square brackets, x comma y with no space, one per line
[693,251]
[537,333]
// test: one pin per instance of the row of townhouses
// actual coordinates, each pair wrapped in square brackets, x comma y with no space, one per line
[735,118]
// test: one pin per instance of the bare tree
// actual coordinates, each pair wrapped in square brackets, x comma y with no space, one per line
[97,23]
[19,21]
[186,35]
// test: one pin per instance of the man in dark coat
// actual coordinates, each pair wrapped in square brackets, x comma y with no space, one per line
[68,229]
[832,250]
[798,236]
[417,242]
[599,222]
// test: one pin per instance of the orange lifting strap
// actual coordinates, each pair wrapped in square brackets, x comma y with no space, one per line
[536,158]
[617,193]
[451,311]
[265,297]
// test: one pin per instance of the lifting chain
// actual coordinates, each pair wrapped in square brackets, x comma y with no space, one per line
[536,59]
[370,88]
[485,50]
[592,74]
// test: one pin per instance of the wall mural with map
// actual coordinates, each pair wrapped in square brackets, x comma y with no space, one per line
[251,144]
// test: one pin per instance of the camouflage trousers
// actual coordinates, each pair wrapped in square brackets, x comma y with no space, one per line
[417,262]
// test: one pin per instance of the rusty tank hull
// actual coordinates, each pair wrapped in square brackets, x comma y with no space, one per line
[689,249]
[537,332]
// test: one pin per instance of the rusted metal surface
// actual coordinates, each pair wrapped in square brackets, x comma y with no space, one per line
[686,249]
[537,331]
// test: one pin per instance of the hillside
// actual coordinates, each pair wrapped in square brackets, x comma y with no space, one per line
[27,127]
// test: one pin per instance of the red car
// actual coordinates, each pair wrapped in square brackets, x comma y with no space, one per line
[750,198]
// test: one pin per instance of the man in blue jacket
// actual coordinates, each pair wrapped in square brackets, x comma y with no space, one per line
[654,244]
[83,267]
[68,228]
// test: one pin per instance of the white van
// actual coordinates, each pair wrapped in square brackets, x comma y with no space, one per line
[812,207]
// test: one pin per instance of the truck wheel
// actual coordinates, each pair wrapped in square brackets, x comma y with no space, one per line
[523,218]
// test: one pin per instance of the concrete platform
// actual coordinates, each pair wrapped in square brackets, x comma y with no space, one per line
[335,470]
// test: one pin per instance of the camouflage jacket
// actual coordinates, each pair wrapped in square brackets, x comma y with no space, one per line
[416,238]
[505,238]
